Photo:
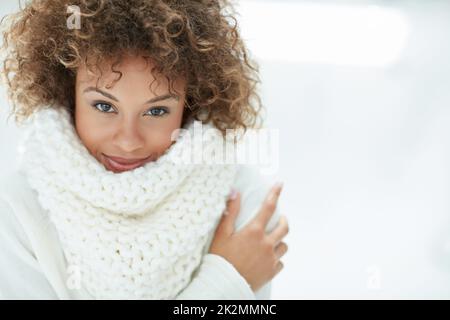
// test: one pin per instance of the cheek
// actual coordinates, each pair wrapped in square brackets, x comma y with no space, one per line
[90,133]
[160,139]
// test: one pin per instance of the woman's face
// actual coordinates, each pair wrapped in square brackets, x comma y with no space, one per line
[127,125]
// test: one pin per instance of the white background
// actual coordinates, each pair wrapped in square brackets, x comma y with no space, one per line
[359,91]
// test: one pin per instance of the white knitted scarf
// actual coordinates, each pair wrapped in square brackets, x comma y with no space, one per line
[138,234]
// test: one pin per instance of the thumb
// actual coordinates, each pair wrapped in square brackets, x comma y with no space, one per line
[231,212]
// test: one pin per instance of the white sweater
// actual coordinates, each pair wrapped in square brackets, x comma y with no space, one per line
[33,266]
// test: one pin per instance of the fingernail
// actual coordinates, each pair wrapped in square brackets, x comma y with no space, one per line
[232,195]
[276,190]
[279,185]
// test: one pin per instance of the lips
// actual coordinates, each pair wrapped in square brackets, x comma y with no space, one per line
[121,164]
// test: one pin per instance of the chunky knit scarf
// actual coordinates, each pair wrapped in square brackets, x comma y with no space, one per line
[137,234]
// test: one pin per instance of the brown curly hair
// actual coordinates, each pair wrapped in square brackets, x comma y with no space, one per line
[196,39]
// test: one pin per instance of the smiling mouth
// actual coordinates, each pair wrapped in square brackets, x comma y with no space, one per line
[119,165]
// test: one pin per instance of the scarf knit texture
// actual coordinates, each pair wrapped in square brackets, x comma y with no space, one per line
[138,234]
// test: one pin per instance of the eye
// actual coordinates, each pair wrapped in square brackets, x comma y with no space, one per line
[158,111]
[102,107]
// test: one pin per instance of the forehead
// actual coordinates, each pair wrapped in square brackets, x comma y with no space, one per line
[135,71]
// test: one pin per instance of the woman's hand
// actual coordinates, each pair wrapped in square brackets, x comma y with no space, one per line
[254,253]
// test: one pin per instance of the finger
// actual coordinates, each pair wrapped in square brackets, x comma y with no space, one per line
[280,231]
[280,250]
[269,205]
[230,214]
[279,267]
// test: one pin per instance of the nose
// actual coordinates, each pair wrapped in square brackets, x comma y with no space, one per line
[128,137]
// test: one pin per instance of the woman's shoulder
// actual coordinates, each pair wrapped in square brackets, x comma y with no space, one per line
[14,191]
[19,202]
[253,185]
[9,224]
[251,176]
[13,184]
[13,236]
[22,242]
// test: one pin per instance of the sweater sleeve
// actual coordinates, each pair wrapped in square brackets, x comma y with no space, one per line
[21,276]
[216,278]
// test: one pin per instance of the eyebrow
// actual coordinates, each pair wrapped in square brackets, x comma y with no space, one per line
[155,99]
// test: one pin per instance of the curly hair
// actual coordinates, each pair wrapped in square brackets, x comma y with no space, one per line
[196,39]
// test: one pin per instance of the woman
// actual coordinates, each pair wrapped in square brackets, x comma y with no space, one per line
[99,207]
